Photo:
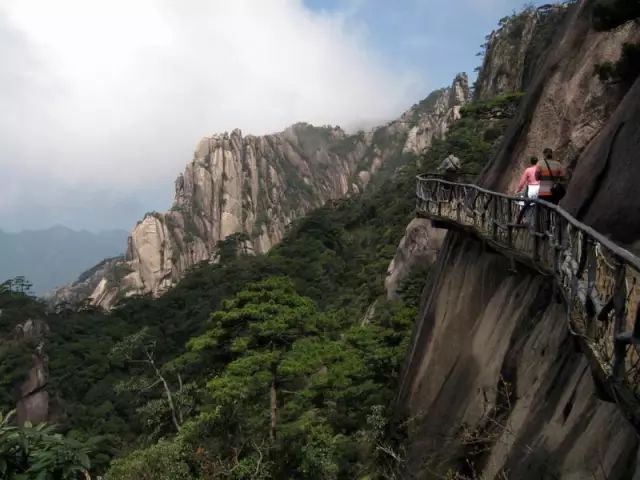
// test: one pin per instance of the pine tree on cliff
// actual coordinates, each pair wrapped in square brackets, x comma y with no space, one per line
[258,326]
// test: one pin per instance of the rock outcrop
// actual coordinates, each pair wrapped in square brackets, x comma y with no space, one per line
[513,51]
[33,404]
[80,290]
[258,185]
[431,118]
[418,248]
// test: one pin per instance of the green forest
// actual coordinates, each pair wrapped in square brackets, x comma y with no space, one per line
[281,365]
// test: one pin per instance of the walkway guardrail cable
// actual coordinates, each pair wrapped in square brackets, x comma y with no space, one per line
[599,280]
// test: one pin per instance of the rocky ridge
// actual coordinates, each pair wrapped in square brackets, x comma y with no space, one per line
[254,186]
[80,290]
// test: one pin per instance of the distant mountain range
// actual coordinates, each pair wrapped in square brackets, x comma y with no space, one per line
[55,256]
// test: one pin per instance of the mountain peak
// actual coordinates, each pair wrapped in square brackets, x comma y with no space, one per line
[257,185]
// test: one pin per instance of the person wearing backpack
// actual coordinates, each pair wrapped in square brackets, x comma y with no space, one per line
[552,175]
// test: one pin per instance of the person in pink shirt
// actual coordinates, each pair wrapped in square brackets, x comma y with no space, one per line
[529,185]
[530,180]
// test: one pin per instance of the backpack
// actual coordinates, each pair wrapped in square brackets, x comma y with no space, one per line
[558,190]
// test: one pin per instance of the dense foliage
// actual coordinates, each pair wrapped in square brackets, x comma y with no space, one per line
[475,136]
[293,396]
[625,70]
[609,14]
[281,365]
[335,259]
[37,452]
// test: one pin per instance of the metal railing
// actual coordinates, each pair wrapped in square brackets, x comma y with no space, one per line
[599,280]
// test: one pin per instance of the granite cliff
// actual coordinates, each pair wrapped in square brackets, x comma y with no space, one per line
[514,52]
[495,385]
[247,189]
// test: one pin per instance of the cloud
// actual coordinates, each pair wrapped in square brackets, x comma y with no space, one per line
[113,96]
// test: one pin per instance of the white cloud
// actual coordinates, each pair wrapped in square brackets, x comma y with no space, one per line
[115,94]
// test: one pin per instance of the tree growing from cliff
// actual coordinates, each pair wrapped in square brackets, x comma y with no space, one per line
[625,70]
[17,284]
[232,246]
[138,350]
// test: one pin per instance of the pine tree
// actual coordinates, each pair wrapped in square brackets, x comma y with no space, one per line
[258,326]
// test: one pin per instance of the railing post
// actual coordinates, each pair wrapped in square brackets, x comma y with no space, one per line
[620,308]
[494,218]
[450,200]
[636,324]
[580,258]
[509,222]
[474,209]
[536,231]
[557,242]
[591,281]
[433,196]
[483,217]
[547,239]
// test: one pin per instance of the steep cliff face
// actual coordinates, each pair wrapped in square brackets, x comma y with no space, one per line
[432,116]
[515,49]
[566,105]
[255,186]
[495,384]
[504,60]
[604,187]
[513,55]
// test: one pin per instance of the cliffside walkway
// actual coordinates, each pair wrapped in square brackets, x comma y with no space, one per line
[600,281]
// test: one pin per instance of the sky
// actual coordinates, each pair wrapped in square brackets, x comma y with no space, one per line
[103,101]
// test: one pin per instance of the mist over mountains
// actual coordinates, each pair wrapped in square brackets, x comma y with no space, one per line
[54,256]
